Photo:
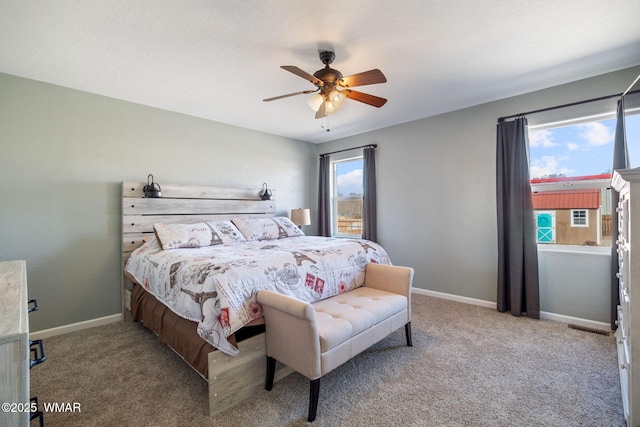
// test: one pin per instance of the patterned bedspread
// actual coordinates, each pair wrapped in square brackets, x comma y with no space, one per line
[216,286]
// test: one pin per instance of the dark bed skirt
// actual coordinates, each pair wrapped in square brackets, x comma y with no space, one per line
[178,333]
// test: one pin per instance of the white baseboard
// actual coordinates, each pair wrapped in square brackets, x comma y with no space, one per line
[458,298]
[46,333]
[602,326]
[592,324]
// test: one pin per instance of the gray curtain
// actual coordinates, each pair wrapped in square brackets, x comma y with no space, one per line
[620,161]
[369,200]
[324,197]
[518,288]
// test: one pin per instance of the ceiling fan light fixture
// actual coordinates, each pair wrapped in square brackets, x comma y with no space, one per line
[329,108]
[334,100]
[337,98]
[315,101]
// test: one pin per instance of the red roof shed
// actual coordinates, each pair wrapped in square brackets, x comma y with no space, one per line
[567,199]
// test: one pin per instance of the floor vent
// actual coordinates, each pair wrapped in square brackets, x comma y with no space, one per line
[590,330]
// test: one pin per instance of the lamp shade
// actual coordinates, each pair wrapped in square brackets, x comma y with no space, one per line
[301,216]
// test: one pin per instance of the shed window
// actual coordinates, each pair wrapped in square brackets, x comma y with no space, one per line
[579,218]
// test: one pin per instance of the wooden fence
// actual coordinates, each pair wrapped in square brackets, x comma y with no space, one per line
[349,225]
[606,225]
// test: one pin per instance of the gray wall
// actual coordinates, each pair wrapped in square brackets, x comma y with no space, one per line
[64,154]
[436,193]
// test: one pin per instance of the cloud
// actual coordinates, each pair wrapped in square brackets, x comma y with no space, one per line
[547,165]
[350,182]
[542,138]
[572,146]
[596,133]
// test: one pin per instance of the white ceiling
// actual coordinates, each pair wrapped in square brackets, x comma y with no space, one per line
[218,59]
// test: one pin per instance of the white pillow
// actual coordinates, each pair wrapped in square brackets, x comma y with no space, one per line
[267,228]
[180,236]
[228,232]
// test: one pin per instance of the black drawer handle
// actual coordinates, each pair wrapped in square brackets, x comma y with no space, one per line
[35,346]
[37,413]
[32,305]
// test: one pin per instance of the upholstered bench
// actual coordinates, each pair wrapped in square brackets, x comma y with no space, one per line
[314,339]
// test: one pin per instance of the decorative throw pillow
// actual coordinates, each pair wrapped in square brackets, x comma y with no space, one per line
[175,236]
[180,236]
[227,232]
[267,228]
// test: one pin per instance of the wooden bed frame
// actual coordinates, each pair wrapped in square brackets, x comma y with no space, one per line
[231,379]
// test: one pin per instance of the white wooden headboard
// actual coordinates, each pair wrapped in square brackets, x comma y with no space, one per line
[181,204]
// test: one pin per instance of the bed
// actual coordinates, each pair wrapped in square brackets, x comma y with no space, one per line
[193,261]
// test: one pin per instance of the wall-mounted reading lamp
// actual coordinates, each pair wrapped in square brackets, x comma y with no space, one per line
[152,189]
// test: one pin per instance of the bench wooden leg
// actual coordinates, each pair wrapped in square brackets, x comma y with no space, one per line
[407,331]
[314,393]
[271,370]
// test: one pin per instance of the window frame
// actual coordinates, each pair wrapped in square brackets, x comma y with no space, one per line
[334,194]
[585,218]
[569,184]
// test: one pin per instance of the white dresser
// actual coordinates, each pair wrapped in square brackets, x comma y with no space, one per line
[14,343]
[627,183]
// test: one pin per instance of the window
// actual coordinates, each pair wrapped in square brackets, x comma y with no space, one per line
[347,190]
[570,168]
[579,218]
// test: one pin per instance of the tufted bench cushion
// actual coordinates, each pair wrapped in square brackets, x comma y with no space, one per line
[316,338]
[344,316]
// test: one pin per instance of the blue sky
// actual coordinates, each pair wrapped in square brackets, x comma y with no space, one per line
[349,177]
[578,150]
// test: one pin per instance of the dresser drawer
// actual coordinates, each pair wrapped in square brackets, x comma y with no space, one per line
[621,322]
[623,314]
[622,287]
[623,368]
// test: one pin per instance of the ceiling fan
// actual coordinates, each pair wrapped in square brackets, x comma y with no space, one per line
[333,89]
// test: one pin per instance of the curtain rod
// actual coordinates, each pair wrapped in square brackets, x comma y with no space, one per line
[632,85]
[567,105]
[349,149]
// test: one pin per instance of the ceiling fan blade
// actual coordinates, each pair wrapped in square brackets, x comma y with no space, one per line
[301,73]
[288,95]
[365,97]
[365,78]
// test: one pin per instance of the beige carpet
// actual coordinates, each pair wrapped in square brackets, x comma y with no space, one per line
[469,366]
